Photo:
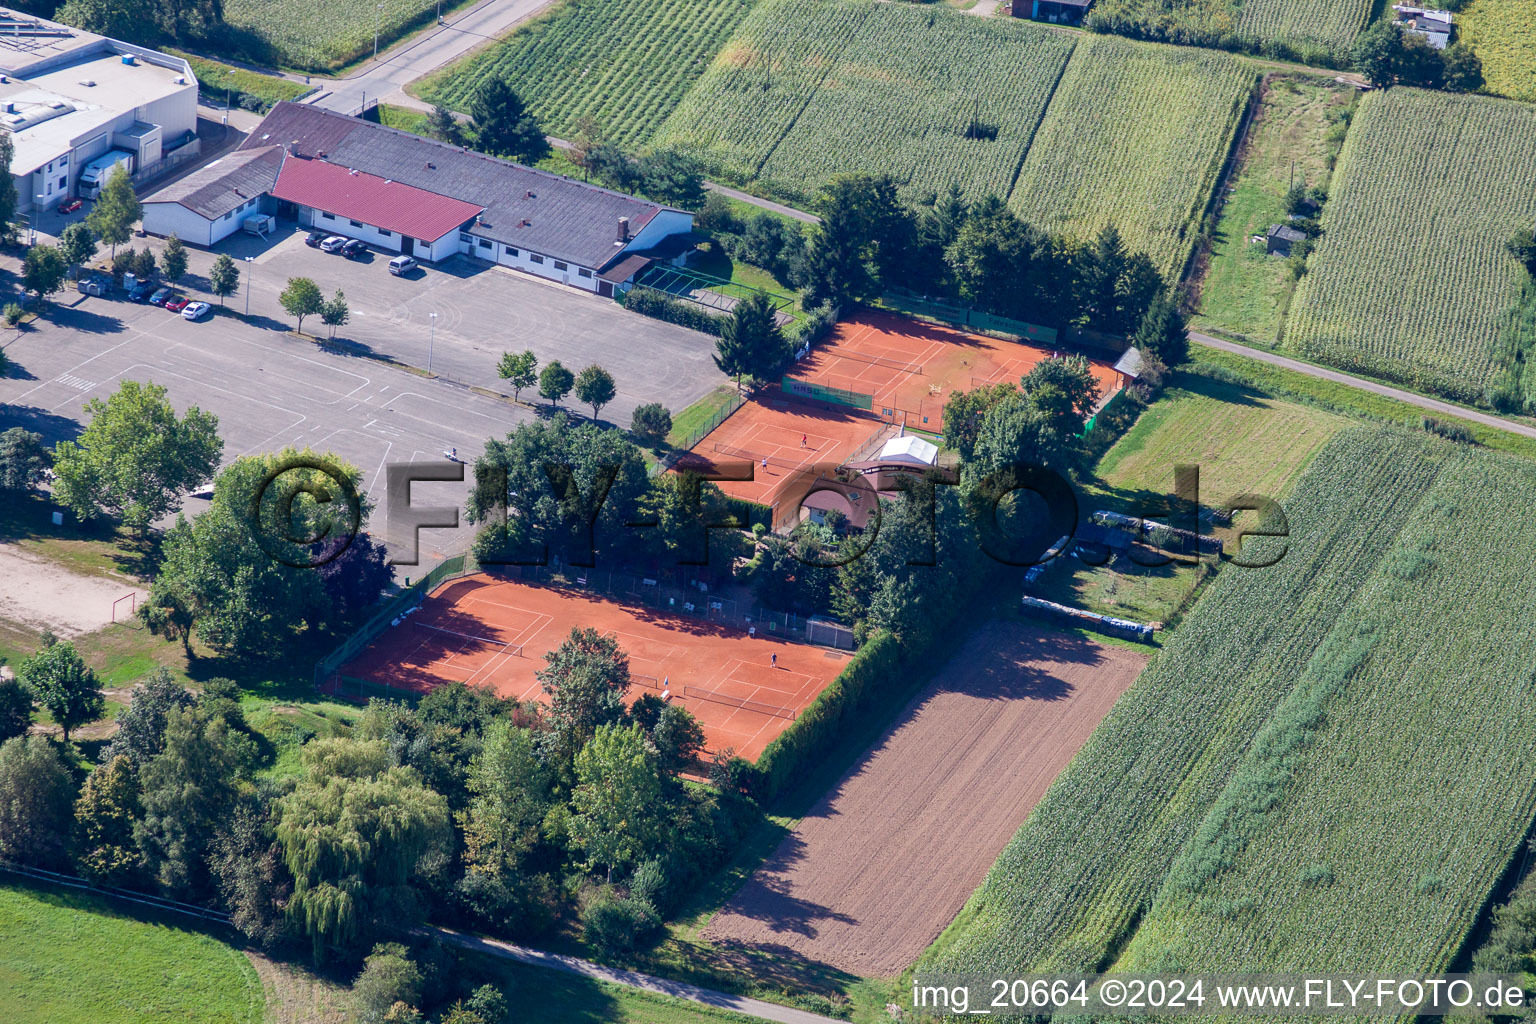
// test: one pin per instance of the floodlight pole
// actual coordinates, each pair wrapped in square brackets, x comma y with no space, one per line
[248,261]
[431,341]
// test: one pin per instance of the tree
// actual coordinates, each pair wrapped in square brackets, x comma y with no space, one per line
[1522,246]
[141,725]
[335,313]
[594,386]
[1064,389]
[672,177]
[519,371]
[354,579]
[510,794]
[23,459]
[187,789]
[15,709]
[1463,68]
[388,977]
[503,126]
[586,678]
[1378,53]
[105,850]
[673,731]
[144,263]
[77,243]
[352,830]
[62,685]
[301,298]
[863,242]
[751,341]
[1164,331]
[117,209]
[36,798]
[618,806]
[1014,432]
[442,125]
[588,135]
[651,423]
[173,260]
[136,457]
[989,250]
[119,19]
[611,166]
[555,382]
[44,270]
[7,188]
[223,278]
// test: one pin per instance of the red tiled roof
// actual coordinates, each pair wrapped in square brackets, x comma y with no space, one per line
[373,200]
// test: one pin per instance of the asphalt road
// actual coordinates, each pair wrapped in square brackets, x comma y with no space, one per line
[1428,404]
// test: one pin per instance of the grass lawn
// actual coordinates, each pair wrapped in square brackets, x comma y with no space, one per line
[700,414]
[710,258]
[221,83]
[90,549]
[1246,290]
[73,958]
[1242,440]
[403,118]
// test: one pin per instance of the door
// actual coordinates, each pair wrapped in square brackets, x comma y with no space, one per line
[408,245]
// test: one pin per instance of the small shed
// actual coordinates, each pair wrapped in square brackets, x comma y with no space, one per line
[1062,12]
[1128,366]
[1280,238]
[1433,25]
[909,450]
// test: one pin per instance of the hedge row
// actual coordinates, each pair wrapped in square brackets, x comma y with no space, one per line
[661,306]
[871,674]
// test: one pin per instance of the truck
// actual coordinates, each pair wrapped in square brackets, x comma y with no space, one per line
[94,175]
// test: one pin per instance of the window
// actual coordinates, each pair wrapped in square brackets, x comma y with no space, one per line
[583,272]
[512,252]
[328,216]
[355,223]
[561,266]
[466,237]
[64,182]
[386,233]
[535,258]
[485,243]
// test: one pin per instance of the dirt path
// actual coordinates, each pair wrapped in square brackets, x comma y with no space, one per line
[885,860]
[39,594]
[294,996]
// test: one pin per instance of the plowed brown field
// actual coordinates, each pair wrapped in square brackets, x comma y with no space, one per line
[888,856]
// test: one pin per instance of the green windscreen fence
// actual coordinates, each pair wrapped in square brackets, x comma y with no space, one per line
[823,393]
[975,319]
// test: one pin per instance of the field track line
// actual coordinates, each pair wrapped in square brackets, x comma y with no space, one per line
[629,979]
[1432,404]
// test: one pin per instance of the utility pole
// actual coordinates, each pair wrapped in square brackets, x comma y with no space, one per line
[431,341]
[248,261]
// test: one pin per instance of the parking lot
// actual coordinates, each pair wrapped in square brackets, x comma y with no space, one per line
[482,311]
[268,389]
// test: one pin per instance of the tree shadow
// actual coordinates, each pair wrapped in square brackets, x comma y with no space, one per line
[52,426]
[83,320]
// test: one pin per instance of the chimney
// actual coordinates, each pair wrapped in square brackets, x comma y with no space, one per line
[293,148]
[529,194]
[623,229]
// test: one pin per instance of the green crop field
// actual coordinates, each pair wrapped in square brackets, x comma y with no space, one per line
[1411,280]
[623,63]
[1503,35]
[1303,25]
[67,959]
[1327,767]
[811,88]
[326,36]
[1136,135]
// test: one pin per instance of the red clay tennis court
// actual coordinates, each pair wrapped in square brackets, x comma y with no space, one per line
[912,366]
[488,631]
[794,437]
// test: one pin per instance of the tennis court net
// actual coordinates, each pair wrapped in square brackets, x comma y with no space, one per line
[699,693]
[894,364]
[742,453]
[516,650]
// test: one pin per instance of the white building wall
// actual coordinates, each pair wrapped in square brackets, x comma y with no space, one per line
[322,221]
[573,274]
[174,219]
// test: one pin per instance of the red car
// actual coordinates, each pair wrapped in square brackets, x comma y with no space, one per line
[177,303]
[70,206]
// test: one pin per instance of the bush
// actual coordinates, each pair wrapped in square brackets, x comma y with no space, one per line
[1450,431]
[649,884]
[613,925]
[13,314]
[651,423]
[815,325]
[660,306]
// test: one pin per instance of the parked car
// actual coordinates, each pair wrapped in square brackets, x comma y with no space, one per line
[315,238]
[195,310]
[355,249]
[93,285]
[161,296]
[71,205]
[177,303]
[333,244]
[402,265]
[142,291]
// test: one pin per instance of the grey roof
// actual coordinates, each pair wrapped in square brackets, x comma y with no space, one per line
[214,189]
[1130,363]
[1287,233]
[530,209]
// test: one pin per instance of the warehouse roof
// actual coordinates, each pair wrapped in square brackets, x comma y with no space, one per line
[213,190]
[360,196]
[530,209]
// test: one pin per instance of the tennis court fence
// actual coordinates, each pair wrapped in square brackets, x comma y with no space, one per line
[700,693]
[718,417]
[390,609]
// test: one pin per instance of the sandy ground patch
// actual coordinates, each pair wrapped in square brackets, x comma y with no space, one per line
[889,855]
[295,996]
[38,593]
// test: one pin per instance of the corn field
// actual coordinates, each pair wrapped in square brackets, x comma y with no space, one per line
[1330,25]
[323,36]
[623,63]
[1503,35]
[810,89]
[1411,280]
[1327,767]
[1135,136]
